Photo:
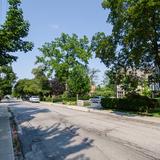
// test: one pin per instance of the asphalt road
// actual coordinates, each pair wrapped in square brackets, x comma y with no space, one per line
[58,133]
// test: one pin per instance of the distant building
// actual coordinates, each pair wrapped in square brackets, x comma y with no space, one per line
[155,84]
[120,91]
[139,73]
[93,88]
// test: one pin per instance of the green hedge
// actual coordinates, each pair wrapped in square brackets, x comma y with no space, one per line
[137,104]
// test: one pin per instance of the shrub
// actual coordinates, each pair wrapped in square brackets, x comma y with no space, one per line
[48,99]
[85,97]
[69,102]
[109,103]
[57,99]
[135,103]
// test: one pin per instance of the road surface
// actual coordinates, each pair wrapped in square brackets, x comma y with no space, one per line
[57,133]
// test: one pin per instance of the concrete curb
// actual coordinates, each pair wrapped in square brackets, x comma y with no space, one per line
[136,118]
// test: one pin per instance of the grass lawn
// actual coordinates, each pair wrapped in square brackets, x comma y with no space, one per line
[154,113]
[69,102]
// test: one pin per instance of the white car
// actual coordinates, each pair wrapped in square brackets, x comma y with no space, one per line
[35,99]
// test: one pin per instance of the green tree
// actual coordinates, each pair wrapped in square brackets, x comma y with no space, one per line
[130,83]
[104,91]
[12,33]
[63,54]
[42,81]
[134,42]
[57,87]
[19,88]
[32,88]
[78,82]
[146,89]
[26,87]
[7,79]
[39,85]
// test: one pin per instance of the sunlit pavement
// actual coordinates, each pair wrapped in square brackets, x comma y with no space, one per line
[58,133]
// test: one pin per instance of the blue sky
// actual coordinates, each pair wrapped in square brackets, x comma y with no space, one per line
[49,18]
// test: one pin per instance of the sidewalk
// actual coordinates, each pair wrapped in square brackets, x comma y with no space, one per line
[134,117]
[6,147]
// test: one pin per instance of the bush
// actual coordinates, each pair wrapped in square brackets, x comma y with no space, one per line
[48,99]
[57,99]
[69,102]
[135,103]
[85,97]
[109,103]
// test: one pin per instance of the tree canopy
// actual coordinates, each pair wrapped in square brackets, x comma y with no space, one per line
[135,39]
[7,79]
[39,85]
[78,82]
[13,32]
[41,80]
[57,87]
[63,54]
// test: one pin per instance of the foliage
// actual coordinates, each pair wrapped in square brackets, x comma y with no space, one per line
[38,86]
[63,54]
[68,57]
[104,91]
[78,82]
[48,98]
[130,80]
[131,103]
[57,87]
[41,80]
[65,95]
[146,89]
[19,88]
[155,112]
[7,79]
[133,43]
[26,87]
[57,99]
[69,102]
[109,103]
[12,33]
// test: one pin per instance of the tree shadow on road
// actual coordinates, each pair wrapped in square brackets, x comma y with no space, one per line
[57,141]
[24,114]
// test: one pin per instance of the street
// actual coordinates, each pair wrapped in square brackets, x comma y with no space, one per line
[58,133]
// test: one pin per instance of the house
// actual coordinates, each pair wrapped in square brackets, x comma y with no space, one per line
[120,93]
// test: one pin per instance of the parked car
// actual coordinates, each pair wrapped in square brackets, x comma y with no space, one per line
[35,99]
[7,97]
[25,98]
[96,99]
